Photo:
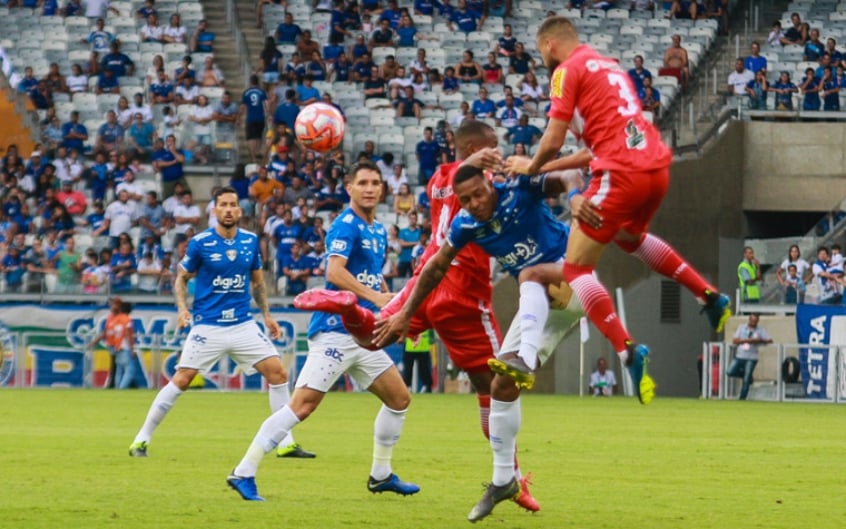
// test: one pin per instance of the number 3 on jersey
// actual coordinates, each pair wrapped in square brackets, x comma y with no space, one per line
[620,80]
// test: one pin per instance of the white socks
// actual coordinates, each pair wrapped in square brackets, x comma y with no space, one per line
[278,395]
[386,433]
[272,430]
[534,311]
[505,423]
[162,404]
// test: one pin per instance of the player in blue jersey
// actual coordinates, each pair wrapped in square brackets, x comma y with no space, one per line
[254,104]
[356,245]
[227,264]
[513,224]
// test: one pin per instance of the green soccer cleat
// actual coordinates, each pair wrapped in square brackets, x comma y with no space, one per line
[138,449]
[514,368]
[718,310]
[294,450]
[643,384]
[494,494]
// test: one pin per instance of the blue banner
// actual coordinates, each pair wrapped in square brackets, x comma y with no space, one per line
[819,325]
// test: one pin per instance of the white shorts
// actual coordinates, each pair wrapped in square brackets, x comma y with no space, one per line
[558,325]
[207,344]
[331,354]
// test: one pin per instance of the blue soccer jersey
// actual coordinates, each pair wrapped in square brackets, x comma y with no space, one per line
[363,246]
[223,267]
[522,232]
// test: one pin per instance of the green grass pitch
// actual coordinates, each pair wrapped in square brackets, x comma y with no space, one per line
[596,463]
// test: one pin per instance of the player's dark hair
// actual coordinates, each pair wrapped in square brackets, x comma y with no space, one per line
[364,165]
[224,190]
[466,172]
[126,307]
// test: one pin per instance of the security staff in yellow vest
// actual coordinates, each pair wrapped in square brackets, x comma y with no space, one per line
[419,351]
[749,277]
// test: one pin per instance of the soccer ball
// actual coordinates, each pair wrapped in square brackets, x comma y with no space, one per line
[319,127]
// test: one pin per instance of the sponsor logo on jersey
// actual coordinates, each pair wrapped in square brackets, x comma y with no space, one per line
[556,86]
[338,245]
[210,243]
[334,354]
[215,257]
[231,254]
[369,280]
[238,281]
[594,65]
[199,339]
[440,193]
[523,252]
[365,244]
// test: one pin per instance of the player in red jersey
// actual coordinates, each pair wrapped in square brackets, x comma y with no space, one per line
[459,310]
[591,94]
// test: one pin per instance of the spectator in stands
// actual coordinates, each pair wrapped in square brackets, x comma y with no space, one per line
[13,268]
[168,160]
[825,279]
[161,90]
[262,188]
[77,81]
[153,221]
[794,286]
[55,80]
[297,268]
[531,91]
[288,111]
[285,235]
[184,70]
[824,61]
[27,82]
[122,267]
[72,9]
[139,107]
[99,8]
[408,106]
[830,91]
[269,63]
[226,116]
[404,200]
[397,83]
[794,257]
[140,137]
[152,31]
[99,39]
[295,191]
[52,135]
[383,36]
[342,72]
[739,78]
[306,45]
[814,47]
[287,32]
[295,69]
[428,154]
[749,277]
[392,14]
[509,115]
[120,216]
[41,97]
[306,92]
[254,105]
[793,34]
[523,132]
[831,50]
[359,49]
[408,238]
[419,64]
[149,270]
[153,70]
[74,133]
[756,90]
[110,134]
[840,76]
[390,68]
[639,73]
[316,68]
[186,216]
[149,8]
[186,92]
[483,107]
[107,83]
[754,61]
[810,88]
[68,268]
[747,339]
[492,70]
[202,115]
[507,42]
[210,74]
[776,35]
[650,97]
[676,62]
[520,62]
[175,32]
[202,40]
[465,19]
[374,86]
[783,91]
[468,69]
[118,63]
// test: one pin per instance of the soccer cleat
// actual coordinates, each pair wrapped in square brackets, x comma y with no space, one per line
[718,310]
[246,487]
[323,300]
[294,450]
[392,483]
[525,499]
[494,494]
[514,368]
[138,449]
[643,384]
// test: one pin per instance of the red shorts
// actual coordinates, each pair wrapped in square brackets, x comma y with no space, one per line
[464,323]
[628,200]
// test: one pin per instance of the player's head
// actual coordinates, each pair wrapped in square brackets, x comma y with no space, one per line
[365,185]
[557,37]
[227,208]
[472,136]
[475,193]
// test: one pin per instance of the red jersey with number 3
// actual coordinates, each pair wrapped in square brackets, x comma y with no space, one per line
[471,269]
[599,100]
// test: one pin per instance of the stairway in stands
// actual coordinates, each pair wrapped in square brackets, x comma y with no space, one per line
[13,128]
[227,54]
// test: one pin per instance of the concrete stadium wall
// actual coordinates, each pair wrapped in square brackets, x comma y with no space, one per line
[702,217]
[777,154]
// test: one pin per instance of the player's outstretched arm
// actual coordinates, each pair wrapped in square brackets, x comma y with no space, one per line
[577,160]
[396,327]
[260,295]
[180,293]
[550,143]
